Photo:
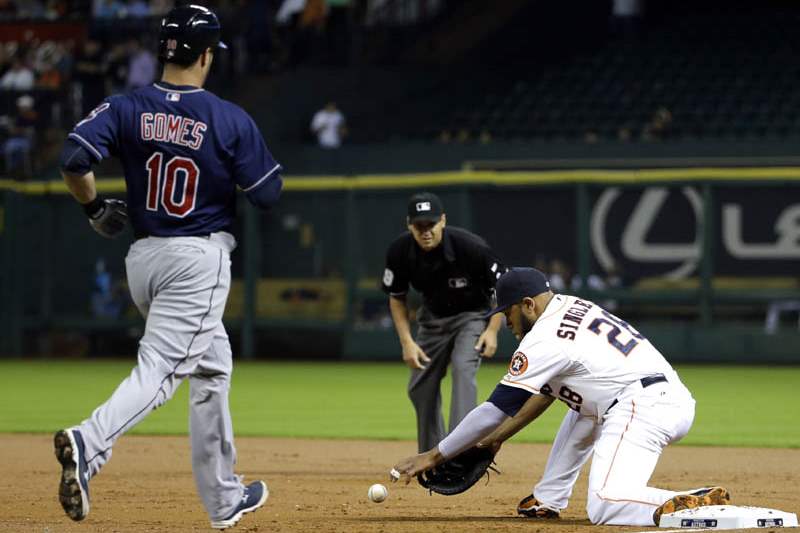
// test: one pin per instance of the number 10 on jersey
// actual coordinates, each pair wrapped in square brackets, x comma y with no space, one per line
[163,184]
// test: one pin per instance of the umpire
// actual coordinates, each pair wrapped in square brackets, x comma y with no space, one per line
[455,271]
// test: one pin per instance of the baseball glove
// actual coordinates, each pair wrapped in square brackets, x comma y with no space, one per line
[459,473]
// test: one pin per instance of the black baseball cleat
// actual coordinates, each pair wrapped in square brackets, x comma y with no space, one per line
[531,508]
[698,498]
[255,494]
[73,489]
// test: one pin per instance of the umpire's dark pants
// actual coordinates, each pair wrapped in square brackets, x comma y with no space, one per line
[445,340]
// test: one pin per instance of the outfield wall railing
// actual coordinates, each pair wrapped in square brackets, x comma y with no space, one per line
[693,256]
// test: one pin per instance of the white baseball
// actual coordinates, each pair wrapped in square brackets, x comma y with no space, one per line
[377,493]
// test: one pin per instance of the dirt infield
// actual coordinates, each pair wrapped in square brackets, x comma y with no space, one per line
[321,485]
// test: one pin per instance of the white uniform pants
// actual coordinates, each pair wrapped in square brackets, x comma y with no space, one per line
[180,285]
[626,448]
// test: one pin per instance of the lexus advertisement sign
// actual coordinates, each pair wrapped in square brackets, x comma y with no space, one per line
[658,231]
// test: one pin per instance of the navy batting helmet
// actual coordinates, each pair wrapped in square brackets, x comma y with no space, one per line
[186,32]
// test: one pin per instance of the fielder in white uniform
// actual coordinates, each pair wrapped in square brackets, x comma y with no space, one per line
[626,404]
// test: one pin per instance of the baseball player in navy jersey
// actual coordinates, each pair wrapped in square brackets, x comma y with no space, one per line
[184,152]
[626,405]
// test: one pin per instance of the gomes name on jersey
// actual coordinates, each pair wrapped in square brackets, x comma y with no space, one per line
[176,129]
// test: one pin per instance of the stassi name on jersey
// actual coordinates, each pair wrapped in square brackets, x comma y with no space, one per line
[572,319]
[175,129]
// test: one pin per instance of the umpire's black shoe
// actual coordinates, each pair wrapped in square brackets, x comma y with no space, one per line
[73,490]
[532,508]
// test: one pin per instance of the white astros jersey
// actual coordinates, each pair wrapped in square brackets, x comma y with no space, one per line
[584,356]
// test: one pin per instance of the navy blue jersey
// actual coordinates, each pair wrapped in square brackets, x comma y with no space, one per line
[184,151]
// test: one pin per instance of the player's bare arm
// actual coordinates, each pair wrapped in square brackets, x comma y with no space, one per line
[107,217]
[413,356]
[530,411]
[487,342]
[81,186]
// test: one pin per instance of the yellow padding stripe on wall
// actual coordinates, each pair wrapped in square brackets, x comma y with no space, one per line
[440,179]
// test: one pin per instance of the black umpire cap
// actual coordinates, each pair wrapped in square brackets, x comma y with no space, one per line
[424,206]
[186,32]
[517,284]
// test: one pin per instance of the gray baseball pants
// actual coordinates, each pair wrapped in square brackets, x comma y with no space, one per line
[447,340]
[180,285]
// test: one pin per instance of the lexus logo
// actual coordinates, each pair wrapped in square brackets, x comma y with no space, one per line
[633,241]
[774,237]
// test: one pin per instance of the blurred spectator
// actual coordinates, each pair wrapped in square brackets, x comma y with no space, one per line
[65,58]
[29,9]
[596,282]
[400,13]
[90,74]
[314,14]
[48,59]
[626,16]
[8,9]
[107,300]
[49,77]
[540,264]
[118,63]
[659,126]
[21,134]
[338,31]
[142,66]
[302,22]
[559,275]
[289,9]
[108,9]
[329,126]
[256,18]
[18,78]
[161,7]
[137,9]
[56,9]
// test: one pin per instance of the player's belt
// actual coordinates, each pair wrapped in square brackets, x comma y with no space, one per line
[138,236]
[646,382]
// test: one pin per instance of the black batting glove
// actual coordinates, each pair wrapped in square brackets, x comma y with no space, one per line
[107,217]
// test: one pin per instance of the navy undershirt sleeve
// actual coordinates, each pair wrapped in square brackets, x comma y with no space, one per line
[267,194]
[509,399]
[75,159]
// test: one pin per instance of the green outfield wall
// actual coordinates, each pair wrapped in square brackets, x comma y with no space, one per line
[695,257]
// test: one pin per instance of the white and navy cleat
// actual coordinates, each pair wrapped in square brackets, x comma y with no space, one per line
[73,489]
[255,494]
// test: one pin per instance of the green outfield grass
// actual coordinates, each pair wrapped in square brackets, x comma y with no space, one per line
[736,405]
